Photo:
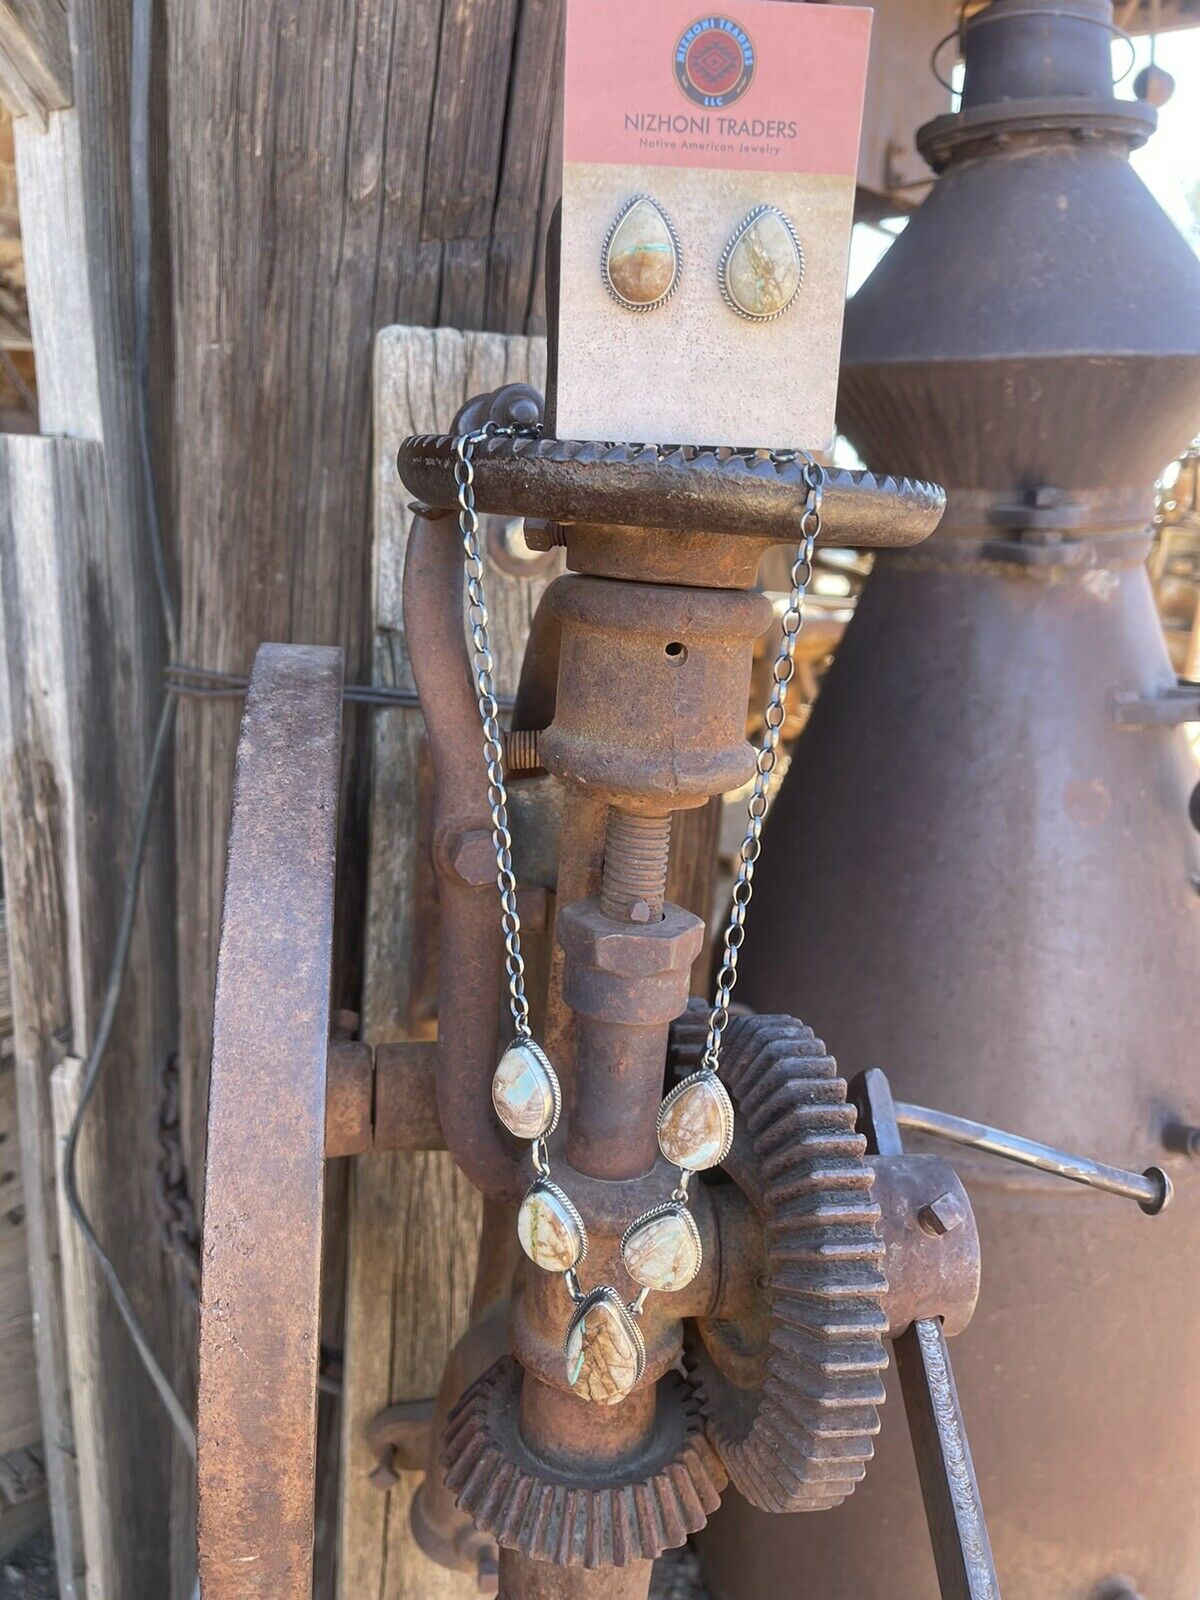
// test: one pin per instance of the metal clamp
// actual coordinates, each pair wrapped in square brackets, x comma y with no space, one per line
[962,1551]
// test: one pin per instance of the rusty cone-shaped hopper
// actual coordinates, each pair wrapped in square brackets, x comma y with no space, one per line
[983,873]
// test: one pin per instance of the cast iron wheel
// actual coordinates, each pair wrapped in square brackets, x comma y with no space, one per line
[265,1167]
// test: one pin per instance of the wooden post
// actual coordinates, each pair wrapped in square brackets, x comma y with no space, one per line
[31,830]
[82,690]
[413,1219]
[82,1320]
[71,755]
[69,826]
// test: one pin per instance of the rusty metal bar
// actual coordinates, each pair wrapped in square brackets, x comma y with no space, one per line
[1152,1189]
[1164,708]
[471,940]
[961,1550]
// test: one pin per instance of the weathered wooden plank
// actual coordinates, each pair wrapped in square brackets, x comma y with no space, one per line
[81,1300]
[74,181]
[77,629]
[414,1220]
[20,1420]
[68,743]
[35,58]
[42,484]
[531,172]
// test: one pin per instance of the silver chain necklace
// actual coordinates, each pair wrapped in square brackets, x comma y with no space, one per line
[604,1350]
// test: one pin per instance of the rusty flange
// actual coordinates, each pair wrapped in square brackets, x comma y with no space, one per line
[663,1496]
[792,1404]
[685,490]
[264,1178]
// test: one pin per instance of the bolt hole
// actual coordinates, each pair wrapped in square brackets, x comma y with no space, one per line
[676,651]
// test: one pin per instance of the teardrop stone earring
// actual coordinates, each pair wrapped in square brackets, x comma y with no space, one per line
[641,259]
[762,266]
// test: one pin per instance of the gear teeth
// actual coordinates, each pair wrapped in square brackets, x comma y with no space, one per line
[665,469]
[497,1482]
[689,1035]
[806,1444]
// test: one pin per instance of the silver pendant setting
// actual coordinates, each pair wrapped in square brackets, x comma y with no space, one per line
[662,1249]
[604,1350]
[762,266]
[695,1123]
[525,1091]
[550,1229]
[641,259]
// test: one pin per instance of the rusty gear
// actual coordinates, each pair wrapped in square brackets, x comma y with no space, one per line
[529,1507]
[689,1036]
[794,1424]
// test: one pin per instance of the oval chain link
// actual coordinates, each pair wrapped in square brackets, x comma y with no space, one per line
[483,667]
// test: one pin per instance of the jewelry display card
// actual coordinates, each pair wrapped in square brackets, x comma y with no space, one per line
[708,194]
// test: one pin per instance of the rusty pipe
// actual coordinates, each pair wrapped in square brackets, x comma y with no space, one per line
[539,1580]
[471,939]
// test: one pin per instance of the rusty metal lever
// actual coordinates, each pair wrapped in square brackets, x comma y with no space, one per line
[1152,1189]
[958,1532]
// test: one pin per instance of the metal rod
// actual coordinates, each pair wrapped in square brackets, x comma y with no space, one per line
[962,1551]
[1151,1189]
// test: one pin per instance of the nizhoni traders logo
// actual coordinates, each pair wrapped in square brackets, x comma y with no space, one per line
[714,61]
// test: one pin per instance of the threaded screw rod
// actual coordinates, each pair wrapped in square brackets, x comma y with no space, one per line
[636,852]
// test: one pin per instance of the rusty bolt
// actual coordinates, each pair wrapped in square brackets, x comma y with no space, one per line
[1116,1589]
[473,857]
[1183,1137]
[385,1476]
[943,1214]
[1046,496]
[399,1436]
[657,947]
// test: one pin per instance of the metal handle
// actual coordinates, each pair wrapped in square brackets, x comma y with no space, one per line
[962,1551]
[1151,1189]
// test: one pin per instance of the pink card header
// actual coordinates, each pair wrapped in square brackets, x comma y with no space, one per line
[765,86]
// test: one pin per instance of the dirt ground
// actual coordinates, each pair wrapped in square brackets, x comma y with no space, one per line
[28,1574]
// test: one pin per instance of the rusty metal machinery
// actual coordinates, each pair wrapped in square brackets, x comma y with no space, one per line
[637,691]
[822,1239]
[639,668]
[986,875]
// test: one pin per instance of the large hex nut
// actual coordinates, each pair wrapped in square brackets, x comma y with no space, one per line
[636,974]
